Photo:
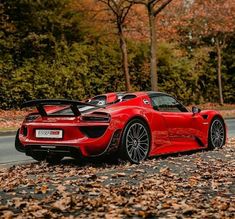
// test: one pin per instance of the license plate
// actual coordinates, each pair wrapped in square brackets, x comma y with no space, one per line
[49,133]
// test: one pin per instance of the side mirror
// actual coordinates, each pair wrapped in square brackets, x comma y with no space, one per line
[195,110]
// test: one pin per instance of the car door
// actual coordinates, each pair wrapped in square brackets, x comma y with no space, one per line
[179,121]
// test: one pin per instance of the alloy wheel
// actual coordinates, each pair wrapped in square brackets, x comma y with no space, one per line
[217,133]
[137,142]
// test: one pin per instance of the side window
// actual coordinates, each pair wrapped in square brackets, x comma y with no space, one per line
[164,103]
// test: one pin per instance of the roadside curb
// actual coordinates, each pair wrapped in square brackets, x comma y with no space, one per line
[7,133]
[228,118]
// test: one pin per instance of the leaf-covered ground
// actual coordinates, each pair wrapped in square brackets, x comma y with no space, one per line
[196,185]
[11,119]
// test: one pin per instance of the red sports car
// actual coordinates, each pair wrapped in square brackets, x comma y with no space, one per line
[133,125]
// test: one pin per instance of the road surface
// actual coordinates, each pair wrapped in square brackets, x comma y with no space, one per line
[8,154]
[231,127]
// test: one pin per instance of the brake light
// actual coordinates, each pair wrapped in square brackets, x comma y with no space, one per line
[96,118]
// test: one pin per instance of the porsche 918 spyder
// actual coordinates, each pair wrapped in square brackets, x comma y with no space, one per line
[133,125]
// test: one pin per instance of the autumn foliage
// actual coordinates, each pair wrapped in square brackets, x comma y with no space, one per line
[71,49]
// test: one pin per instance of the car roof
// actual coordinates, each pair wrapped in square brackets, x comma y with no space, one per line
[136,93]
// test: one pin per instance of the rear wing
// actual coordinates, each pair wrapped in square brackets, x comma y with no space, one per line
[73,104]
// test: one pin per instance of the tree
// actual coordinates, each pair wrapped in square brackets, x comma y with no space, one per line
[154,7]
[120,9]
[212,22]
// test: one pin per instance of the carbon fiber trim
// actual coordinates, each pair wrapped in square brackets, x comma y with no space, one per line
[61,149]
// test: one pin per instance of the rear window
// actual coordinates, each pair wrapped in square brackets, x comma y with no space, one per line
[68,112]
[98,100]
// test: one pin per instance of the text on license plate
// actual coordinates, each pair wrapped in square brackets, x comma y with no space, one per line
[49,133]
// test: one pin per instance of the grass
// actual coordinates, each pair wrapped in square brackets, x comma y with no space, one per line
[8,129]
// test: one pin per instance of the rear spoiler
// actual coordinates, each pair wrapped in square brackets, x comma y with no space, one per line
[39,104]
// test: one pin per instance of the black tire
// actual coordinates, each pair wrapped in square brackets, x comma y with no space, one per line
[18,146]
[135,142]
[217,133]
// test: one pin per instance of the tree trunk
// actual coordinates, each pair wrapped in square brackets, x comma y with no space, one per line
[123,48]
[219,63]
[153,48]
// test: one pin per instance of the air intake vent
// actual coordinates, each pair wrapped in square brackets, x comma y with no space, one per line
[93,131]
[204,116]
[128,97]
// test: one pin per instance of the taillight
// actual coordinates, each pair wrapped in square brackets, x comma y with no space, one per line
[96,118]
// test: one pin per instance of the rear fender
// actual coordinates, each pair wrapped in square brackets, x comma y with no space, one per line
[124,117]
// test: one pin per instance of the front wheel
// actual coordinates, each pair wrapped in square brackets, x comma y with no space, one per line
[216,133]
[135,144]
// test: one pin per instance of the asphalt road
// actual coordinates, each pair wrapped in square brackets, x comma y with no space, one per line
[9,156]
[8,153]
[231,127]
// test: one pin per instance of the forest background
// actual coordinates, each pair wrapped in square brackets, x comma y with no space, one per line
[72,49]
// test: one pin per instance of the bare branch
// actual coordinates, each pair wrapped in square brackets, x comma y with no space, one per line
[153,2]
[142,2]
[108,3]
[162,7]
[124,14]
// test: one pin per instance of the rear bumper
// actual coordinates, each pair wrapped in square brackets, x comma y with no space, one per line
[86,147]
[64,150]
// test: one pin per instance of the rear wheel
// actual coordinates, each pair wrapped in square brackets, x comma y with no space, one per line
[135,144]
[18,146]
[216,133]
